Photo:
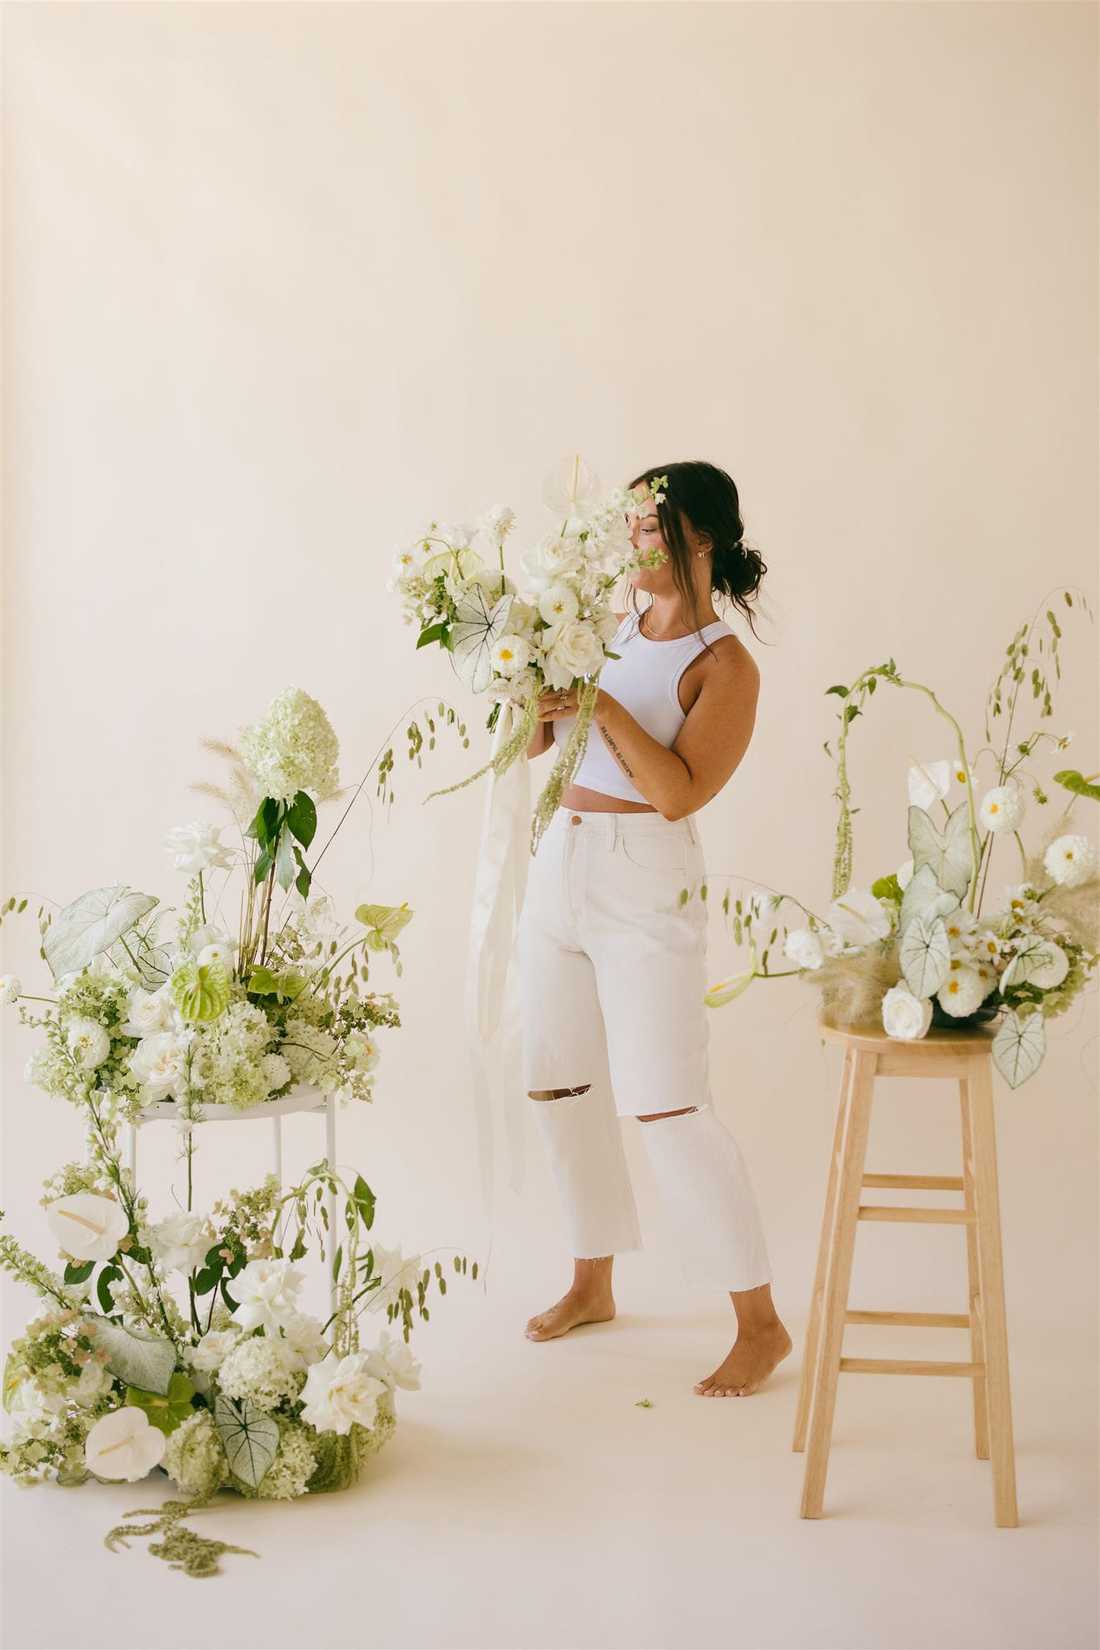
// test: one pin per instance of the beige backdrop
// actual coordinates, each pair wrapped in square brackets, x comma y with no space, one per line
[283,282]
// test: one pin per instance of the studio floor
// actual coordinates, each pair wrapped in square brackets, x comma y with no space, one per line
[528,1501]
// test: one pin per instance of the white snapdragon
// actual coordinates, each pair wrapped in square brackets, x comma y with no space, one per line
[929,782]
[198,847]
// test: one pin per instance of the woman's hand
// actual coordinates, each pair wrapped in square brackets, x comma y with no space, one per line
[557,702]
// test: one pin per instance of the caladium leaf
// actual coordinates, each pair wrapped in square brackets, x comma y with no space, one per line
[946,851]
[249,1435]
[925,955]
[482,620]
[1018,1048]
[924,898]
[137,1357]
[92,924]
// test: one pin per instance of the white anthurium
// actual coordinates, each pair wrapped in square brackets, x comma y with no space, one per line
[181,1241]
[1002,808]
[1038,962]
[960,773]
[904,1015]
[151,1011]
[89,1043]
[124,1444]
[266,1292]
[1070,860]
[87,1226]
[929,782]
[393,1362]
[198,847]
[479,624]
[803,947]
[962,991]
[11,987]
[340,1392]
[726,990]
[859,917]
[511,654]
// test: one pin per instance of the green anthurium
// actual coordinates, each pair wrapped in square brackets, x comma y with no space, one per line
[383,922]
[165,1410]
[201,991]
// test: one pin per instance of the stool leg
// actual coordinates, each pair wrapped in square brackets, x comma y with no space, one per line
[843,1245]
[973,1280]
[991,1275]
[828,1222]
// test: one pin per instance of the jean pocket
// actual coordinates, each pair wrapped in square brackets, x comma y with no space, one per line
[657,852]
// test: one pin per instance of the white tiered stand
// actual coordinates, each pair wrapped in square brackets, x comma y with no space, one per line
[304,1099]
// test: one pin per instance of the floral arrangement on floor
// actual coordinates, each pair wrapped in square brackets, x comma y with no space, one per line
[178,1340]
[913,950]
[514,647]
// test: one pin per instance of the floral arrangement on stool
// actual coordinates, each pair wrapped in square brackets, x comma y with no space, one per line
[913,950]
[179,1340]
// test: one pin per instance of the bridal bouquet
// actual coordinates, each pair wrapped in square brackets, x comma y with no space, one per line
[512,646]
[177,1339]
[913,949]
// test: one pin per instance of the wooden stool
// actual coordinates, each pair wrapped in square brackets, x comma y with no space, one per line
[965,1055]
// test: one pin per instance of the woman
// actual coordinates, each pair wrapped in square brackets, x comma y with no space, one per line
[612,966]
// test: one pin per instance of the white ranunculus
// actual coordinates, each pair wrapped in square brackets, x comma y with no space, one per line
[1070,860]
[340,1391]
[392,1361]
[962,991]
[159,1064]
[305,1339]
[151,1011]
[210,1353]
[180,1241]
[803,947]
[905,1016]
[904,874]
[558,606]
[1040,963]
[266,1292]
[198,847]
[575,651]
[1002,808]
[859,917]
[929,782]
[511,654]
[124,1444]
[88,1041]
[10,988]
[87,1226]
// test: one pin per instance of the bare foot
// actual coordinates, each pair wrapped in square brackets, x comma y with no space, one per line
[576,1307]
[752,1358]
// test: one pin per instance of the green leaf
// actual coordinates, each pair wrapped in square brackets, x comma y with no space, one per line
[364,1201]
[838,688]
[75,1273]
[166,1410]
[109,1275]
[434,633]
[262,866]
[887,888]
[206,1279]
[284,861]
[137,1357]
[1077,783]
[1019,1047]
[91,924]
[249,1436]
[302,818]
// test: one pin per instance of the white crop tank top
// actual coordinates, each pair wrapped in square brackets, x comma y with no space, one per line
[645,680]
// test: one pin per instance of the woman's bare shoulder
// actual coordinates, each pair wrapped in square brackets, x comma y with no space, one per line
[733,660]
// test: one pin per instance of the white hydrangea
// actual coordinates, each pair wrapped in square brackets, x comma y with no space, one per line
[228,1059]
[311,1053]
[292,748]
[261,1370]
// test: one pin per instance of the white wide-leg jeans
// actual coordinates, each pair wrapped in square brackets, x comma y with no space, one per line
[612,971]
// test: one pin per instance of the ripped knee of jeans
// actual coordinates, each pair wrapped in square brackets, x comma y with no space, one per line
[557,1094]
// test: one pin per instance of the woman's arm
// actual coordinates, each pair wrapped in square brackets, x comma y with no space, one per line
[709,746]
[541,739]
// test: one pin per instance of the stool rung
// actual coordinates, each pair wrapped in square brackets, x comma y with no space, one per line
[906,1366]
[917,1182]
[920,1320]
[949,1217]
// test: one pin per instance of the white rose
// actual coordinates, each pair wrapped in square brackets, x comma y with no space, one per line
[929,782]
[858,917]
[511,654]
[1070,860]
[210,1353]
[1002,808]
[575,651]
[803,947]
[87,1226]
[962,991]
[305,1339]
[89,1042]
[180,1242]
[905,1016]
[158,1063]
[124,1445]
[558,606]
[267,1294]
[339,1392]
[10,988]
[197,847]
[151,1011]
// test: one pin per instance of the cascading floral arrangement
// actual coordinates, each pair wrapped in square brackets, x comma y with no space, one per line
[913,950]
[179,1341]
[515,647]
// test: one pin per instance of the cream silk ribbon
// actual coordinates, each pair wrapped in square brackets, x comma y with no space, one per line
[491,1015]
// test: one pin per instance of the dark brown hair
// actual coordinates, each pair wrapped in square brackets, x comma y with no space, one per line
[708,498]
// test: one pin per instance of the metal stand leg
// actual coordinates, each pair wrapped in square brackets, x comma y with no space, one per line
[330,1158]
